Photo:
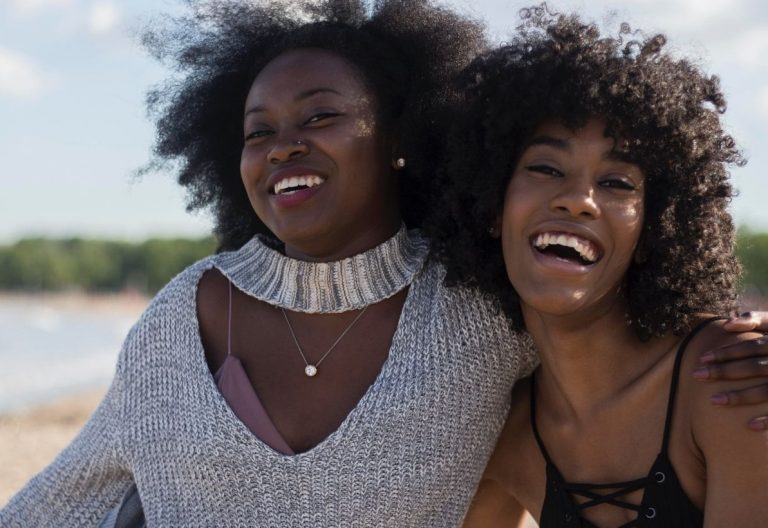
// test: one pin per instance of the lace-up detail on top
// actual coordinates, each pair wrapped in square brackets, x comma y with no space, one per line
[664,503]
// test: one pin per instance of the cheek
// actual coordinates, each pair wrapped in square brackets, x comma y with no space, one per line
[520,203]
[628,218]
[250,168]
[632,216]
[364,128]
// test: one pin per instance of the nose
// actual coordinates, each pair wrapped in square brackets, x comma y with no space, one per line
[288,148]
[577,199]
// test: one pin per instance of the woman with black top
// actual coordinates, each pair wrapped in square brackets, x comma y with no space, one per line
[595,214]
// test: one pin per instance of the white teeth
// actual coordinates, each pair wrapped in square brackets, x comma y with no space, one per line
[585,248]
[297,181]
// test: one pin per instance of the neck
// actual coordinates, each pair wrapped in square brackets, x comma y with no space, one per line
[588,362]
[346,243]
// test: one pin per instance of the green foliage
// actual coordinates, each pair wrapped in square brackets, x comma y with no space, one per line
[752,250]
[97,265]
[102,265]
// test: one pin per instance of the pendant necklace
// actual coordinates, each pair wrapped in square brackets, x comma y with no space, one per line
[309,369]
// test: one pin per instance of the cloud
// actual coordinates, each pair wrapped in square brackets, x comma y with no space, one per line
[751,47]
[103,18]
[32,6]
[762,101]
[20,78]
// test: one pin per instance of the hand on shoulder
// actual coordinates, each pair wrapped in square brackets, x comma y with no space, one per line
[735,457]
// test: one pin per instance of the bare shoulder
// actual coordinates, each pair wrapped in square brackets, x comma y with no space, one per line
[735,458]
[211,288]
[212,291]
[712,336]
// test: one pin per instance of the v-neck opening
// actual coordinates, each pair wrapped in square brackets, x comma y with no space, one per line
[337,435]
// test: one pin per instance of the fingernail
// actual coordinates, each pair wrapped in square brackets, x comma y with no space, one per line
[719,399]
[707,357]
[701,373]
[759,424]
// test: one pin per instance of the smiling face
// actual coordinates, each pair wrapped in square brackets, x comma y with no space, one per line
[316,159]
[573,214]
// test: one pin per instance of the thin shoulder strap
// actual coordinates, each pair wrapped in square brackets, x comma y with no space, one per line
[676,376]
[229,321]
[535,428]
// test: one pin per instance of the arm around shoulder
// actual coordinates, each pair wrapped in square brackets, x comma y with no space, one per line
[736,458]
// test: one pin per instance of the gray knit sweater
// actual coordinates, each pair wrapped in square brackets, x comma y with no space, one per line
[410,454]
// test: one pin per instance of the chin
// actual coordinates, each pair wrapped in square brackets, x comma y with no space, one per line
[558,304]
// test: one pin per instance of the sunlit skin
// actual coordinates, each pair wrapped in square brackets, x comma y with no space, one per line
[601,393]
[310,112]
[572,183]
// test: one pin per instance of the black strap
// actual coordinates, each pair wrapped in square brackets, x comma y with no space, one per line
[676,376]
[589,491]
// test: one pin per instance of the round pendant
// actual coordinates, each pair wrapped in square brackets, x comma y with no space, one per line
[310,370]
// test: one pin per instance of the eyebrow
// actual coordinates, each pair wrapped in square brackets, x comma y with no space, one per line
[565,145]
[549,141]
[306,94]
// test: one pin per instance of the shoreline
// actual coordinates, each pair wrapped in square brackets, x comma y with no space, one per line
[31,437]
[126,302]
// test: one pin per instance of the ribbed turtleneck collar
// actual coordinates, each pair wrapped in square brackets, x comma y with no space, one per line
[325,287]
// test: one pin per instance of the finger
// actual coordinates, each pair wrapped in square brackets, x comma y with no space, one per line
[754,367]
[748,396]
[743,349]
[759,424]
[748,321]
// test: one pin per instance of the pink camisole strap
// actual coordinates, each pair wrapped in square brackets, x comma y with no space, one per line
[237,390]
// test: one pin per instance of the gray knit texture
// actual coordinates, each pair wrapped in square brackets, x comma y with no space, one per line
[410,454]
[327,287]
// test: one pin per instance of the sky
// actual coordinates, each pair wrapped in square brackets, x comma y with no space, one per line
[74,130]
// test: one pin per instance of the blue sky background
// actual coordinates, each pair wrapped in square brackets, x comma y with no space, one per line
[73,126]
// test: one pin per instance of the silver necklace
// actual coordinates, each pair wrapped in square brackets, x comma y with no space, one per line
[309,369]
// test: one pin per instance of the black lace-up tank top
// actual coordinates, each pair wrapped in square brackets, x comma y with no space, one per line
[664,503]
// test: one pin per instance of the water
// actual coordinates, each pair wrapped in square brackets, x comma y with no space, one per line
[48,349]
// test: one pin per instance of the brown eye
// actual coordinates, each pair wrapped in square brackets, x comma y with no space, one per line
[616,183]
[546,170]
[256,134]
[316,118]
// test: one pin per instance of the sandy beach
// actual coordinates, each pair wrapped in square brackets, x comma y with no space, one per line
[126,303]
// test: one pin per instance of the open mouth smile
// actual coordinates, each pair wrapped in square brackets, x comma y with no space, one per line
[293,184]
[567,247]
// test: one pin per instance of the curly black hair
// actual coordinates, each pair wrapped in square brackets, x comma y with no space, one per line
[561,68]
[407,52]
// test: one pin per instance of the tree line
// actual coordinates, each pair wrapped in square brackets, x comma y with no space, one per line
[752,250]
[42,264]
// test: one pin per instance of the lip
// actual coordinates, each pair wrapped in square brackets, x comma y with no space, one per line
[560,264]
